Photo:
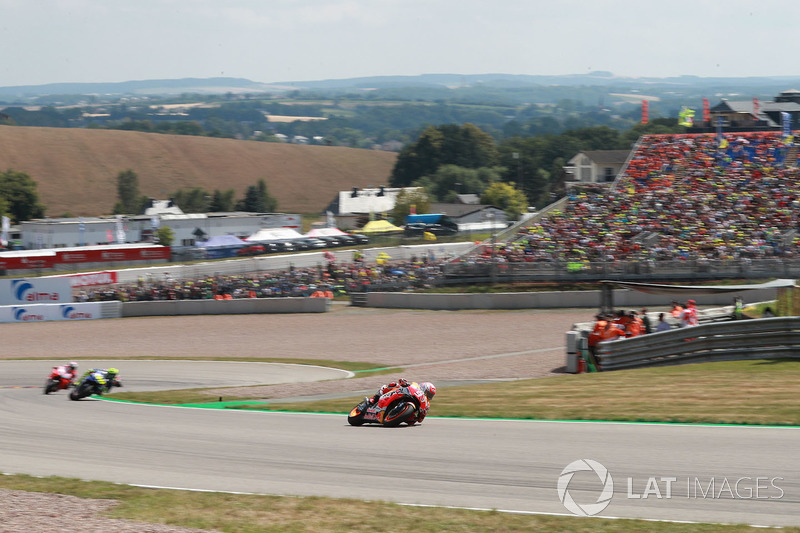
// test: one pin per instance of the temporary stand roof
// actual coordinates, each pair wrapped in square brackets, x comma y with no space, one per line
[276,234]
[380,226]
[325,232]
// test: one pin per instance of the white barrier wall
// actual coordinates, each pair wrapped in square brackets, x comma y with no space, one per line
[116,309]
[66,311]
[29,291]
[243,306]
[623,299]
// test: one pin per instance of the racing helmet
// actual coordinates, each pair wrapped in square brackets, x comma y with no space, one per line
[73,365]
[403,382]
[112,372]
[429,389]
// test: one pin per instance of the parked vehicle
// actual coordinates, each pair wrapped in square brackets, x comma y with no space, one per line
[360,239]
[330,242]
[313,243]
[253,249]
[300,244]
[347,240]
[418,229]
[285,246]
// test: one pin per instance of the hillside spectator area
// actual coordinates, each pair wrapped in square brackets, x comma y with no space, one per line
[681,197]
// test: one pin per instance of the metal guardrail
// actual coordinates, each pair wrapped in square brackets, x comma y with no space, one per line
[721,341]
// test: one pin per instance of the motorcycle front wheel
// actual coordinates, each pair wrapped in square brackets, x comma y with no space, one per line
[356,416]
[79,392]
[50,386]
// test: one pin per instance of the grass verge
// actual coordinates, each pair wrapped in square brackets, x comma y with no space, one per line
[232,513]
[733,392]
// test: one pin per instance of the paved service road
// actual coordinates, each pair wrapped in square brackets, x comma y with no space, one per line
[509,465]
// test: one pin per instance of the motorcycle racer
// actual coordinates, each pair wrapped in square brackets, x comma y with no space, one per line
[68,371]
[105,378]
[402,382]
[61,377]
[424,393]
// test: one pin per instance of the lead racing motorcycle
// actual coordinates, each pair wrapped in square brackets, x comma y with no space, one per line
[397,406]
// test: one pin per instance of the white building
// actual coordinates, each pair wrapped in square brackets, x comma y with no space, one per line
[351,205]
[188,228]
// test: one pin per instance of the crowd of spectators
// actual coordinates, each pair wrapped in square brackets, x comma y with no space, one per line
[333,279]
[691,196]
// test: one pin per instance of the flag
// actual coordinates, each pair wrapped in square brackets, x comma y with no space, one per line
[330,221]
[786,119]
[645,111]
[719,129]
[755,107]
[6,229]
[686,117]
[428,236]
[412,209]
[120,230]
[706,111]
[82,229]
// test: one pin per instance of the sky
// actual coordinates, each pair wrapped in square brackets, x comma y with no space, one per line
[271,41]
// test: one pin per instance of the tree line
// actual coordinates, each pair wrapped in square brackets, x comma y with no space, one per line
[510,174]
[256,199]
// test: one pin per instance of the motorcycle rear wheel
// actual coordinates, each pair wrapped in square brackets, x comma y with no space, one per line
[399,413]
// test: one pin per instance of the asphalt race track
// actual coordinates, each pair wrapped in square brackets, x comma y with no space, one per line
[506,465]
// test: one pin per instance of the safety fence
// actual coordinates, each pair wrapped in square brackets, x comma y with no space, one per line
[766,338]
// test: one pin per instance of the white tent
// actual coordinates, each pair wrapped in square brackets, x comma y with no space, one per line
[274,234]
[325,232]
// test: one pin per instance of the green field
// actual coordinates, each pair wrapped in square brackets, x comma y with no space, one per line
[734,392]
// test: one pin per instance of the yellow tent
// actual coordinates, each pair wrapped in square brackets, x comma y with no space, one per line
[379,226]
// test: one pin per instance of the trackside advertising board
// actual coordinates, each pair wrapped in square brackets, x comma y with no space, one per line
[47,312]
[29,291]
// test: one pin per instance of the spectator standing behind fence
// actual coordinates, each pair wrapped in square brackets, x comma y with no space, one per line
[689,314]
[662,325]
[738,308]
[648,326]
[677,310]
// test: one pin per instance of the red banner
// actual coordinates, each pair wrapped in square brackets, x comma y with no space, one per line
[122,254]
[706,110]
[27,263]
[645,111]
[77,256]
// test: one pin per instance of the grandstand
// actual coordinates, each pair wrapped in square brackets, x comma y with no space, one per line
[698,203]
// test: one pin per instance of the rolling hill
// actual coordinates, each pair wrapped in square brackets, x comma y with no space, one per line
[76,169]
